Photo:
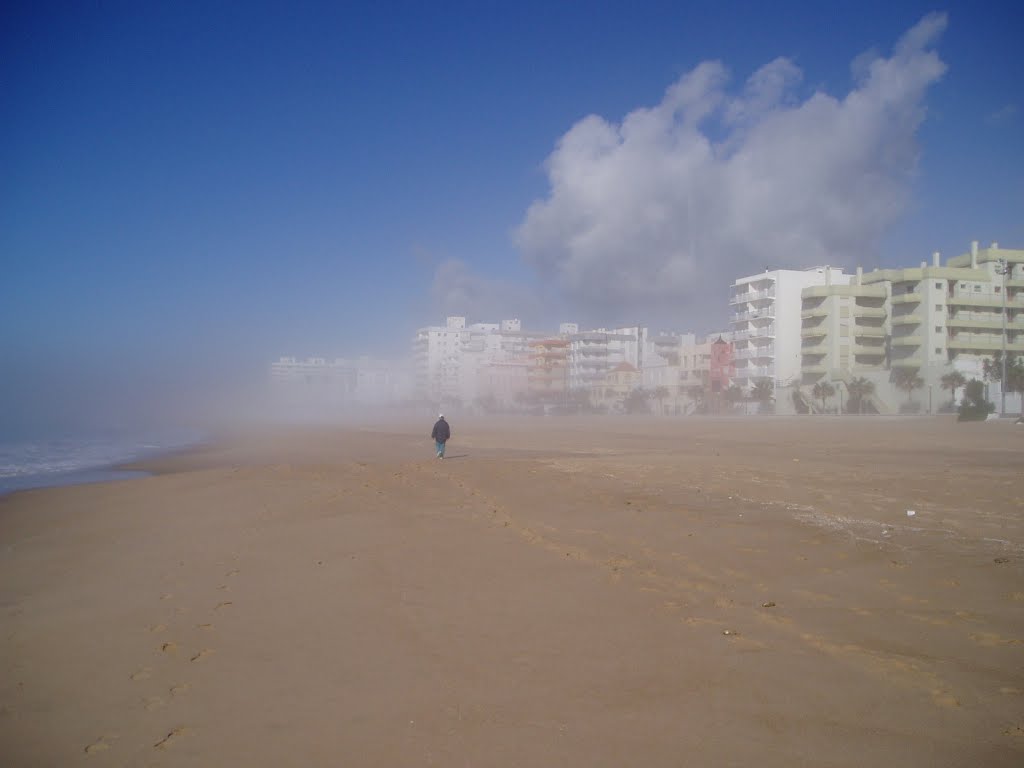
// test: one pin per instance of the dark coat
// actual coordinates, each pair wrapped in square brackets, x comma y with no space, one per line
[441,431]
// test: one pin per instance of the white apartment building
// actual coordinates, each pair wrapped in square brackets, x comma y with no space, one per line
[766,323]
[460,362]
[593,354]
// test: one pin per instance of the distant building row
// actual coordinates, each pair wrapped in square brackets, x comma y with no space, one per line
[792,328]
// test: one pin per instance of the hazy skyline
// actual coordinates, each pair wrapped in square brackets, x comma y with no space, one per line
[194,190]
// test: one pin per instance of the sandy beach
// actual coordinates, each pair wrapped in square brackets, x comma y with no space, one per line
[611,592]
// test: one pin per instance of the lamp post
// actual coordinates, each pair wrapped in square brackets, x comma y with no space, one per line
[1002,269]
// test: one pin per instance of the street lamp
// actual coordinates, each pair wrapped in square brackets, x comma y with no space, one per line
[1002,269]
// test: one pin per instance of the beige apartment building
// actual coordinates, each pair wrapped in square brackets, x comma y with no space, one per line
[931,319]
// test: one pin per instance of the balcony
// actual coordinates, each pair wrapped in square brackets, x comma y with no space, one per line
[984,345]
[869,331]
[906,341]
[813,369]
[756,352]
[807,314]
[906,298]
[906,319]
[811,333]
[816,351]
[979,300]
[859,311]
[863,350]
[988,324]
[740,298]
[843,289]
[754,314]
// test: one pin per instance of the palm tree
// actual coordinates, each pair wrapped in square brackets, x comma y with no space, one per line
[953,381]
[733,395]
[762,392]
[823,390]
[859,388]
[907,380]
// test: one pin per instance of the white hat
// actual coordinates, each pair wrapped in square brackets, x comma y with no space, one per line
[440,415]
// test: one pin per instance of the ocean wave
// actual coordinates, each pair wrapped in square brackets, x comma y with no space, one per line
[51,457]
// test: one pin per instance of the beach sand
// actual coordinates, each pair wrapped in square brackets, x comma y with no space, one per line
[606,592]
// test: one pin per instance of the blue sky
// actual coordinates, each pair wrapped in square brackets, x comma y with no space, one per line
[207,186]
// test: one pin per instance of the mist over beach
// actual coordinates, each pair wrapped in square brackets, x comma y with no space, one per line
[541,385]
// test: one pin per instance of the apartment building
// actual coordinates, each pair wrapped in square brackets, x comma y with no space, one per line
[548,374]
[930,319]
[766,322]
[843,326]
[463,363]
[989,293]
[593,354]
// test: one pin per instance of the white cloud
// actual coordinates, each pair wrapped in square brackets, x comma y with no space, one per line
[667,207]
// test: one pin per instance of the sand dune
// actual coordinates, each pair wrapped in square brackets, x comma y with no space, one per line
[557,592]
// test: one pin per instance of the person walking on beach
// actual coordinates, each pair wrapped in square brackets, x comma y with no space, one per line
[441,433]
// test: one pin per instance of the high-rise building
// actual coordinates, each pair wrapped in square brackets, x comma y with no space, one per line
[929,320]
[766,322]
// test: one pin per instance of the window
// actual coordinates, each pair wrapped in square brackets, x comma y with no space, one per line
[977,288]
[938,350]
[938,307]
[999,289]
[938,285]
[938,329]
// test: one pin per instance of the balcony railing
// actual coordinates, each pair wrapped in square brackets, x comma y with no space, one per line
[906,320]
[906,298]
[756,352]
[754,314]
[739,298]
[906,341]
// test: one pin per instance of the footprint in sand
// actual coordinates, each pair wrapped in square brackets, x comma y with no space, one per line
[221,606]
[141,674]
[166,596]
[100,745]
[156,627]
[204,626]
[232,572]
[170,738]
[180,689]
[170,647]
[203,654]
[152,702]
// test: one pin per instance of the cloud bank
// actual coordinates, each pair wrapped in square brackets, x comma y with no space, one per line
[667,207]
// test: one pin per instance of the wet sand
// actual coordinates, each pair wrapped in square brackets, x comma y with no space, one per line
[557,592]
